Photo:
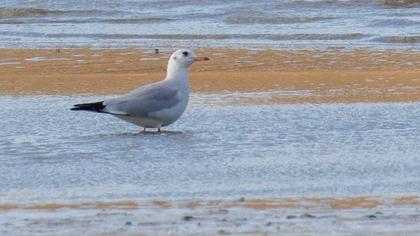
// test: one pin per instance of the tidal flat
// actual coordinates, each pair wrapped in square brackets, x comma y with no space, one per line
[293,142]
[305,121]
[307,76]
[222,168]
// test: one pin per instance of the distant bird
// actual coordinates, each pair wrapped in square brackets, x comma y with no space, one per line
[154,105]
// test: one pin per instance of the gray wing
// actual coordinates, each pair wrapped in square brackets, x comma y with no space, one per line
[141,102]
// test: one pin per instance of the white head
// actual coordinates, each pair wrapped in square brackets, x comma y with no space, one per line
[183,59]
[180,61]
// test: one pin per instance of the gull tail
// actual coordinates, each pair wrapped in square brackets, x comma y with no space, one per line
[94,106]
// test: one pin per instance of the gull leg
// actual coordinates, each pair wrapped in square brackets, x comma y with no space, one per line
[144,129]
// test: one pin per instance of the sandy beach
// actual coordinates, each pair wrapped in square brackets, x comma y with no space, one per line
[288,215]
[331,76]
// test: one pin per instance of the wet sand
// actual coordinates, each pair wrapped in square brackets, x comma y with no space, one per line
[331,203]
[254,77]
[327,76]
[288,215]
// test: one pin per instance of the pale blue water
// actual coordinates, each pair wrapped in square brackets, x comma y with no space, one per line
[291,24]
[49,153]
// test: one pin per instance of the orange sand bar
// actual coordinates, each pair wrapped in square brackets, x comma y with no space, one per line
[368,202]
[323,76]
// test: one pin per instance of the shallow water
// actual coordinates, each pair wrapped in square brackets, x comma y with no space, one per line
[49,153]
[291,24]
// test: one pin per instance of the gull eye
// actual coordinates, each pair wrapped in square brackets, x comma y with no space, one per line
[185,54]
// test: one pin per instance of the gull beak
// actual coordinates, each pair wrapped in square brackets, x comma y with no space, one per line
[201,59]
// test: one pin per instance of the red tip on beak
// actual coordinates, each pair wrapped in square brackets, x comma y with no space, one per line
[202,59]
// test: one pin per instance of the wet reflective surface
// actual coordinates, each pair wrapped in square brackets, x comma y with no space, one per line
[49,153]
[312,24]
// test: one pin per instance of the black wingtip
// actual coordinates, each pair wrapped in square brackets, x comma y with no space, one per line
[77,108]
[95,106]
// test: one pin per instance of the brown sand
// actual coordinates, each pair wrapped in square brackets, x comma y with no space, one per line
[323,76]
[85,205]
[407,200]
[258,216]
[252,203]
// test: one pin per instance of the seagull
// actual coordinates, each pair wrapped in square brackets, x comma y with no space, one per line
[154,105]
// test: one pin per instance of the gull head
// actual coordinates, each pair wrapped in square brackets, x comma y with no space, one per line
[185,58]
